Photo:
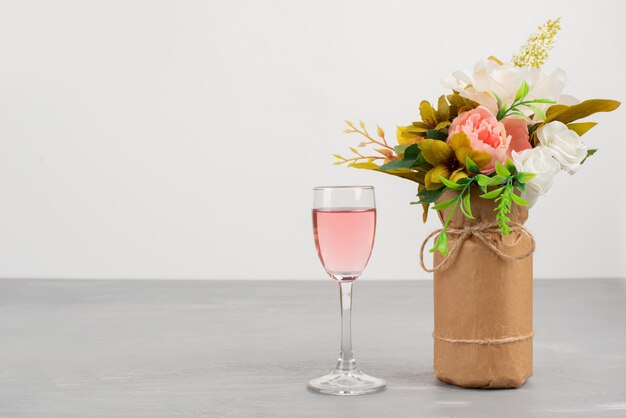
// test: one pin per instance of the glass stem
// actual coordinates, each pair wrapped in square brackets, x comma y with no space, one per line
[346,356]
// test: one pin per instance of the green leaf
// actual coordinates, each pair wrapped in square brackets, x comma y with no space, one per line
[519,114]
[420,162]
[519,200]
[498,99]
[466,206]
[411,153]
[502,111]
[396,165]
[537,111]
[429,196]
[547,101]
[471,165]
[522,91]
[510,166]
[449,184]
[524,178]
[441,244]
[492,194]
[590,152]
[399,149]
[435,134]
[483,180]
[501,170]
[445,204]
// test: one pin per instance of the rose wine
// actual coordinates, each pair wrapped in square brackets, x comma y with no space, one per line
[344,239]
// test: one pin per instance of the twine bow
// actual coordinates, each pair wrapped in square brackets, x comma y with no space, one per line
[481,232]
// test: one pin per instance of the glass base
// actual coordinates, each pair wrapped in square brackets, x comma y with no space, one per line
[354,382]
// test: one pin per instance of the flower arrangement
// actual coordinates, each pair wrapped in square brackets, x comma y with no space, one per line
[505,128]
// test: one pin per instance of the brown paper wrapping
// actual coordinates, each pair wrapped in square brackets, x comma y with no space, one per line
[481,296]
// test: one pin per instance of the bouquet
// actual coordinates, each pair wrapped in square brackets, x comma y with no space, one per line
[481,156]
[505,128]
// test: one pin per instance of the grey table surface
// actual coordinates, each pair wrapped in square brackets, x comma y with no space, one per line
[98,348]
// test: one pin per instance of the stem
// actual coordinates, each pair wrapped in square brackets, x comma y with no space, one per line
[346,361]
[367,135]
[363,158]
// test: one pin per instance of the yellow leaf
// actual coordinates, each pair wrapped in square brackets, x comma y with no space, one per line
[461,153]
[481,158]
[458,175]
[425,213]
[433,177]
[443,110]
[459,140]
[349,123]
[420,126]
[428,114]
[434,151]
[442,125]
[365,166]
[405,174]
[407,135]
[582,127]
[424,205]
[568,114]
[380,131]
[362,124]
[494,59]
[338,156]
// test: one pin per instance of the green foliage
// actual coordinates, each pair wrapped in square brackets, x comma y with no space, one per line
[505,183]
[505,110]
[502,170]
[435,134]
[399,149]
[471,165]
[410,155]
[461,199]
[590,152]
[503,208]
[429,196]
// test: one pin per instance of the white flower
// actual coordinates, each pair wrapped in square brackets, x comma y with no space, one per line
[540,162]
[565,144]
[505,79]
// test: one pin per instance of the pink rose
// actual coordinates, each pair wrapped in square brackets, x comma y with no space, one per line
[517,129]
[488,135]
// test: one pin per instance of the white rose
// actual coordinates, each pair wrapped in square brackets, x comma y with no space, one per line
[540,162]
[565,144]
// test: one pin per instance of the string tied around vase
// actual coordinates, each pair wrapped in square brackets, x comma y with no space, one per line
[481,231]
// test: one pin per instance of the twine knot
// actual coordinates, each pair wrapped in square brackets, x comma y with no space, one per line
[482,232]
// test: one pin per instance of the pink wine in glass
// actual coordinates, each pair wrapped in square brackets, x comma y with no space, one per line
[344,239]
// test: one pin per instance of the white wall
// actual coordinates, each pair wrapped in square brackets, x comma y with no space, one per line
[175,139]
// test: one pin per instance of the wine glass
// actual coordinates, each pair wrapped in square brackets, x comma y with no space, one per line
[344,225]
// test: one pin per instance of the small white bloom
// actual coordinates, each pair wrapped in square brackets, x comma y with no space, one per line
[540,162]
[565,144]
[505,79]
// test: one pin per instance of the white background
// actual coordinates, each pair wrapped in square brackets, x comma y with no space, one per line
[181,139]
